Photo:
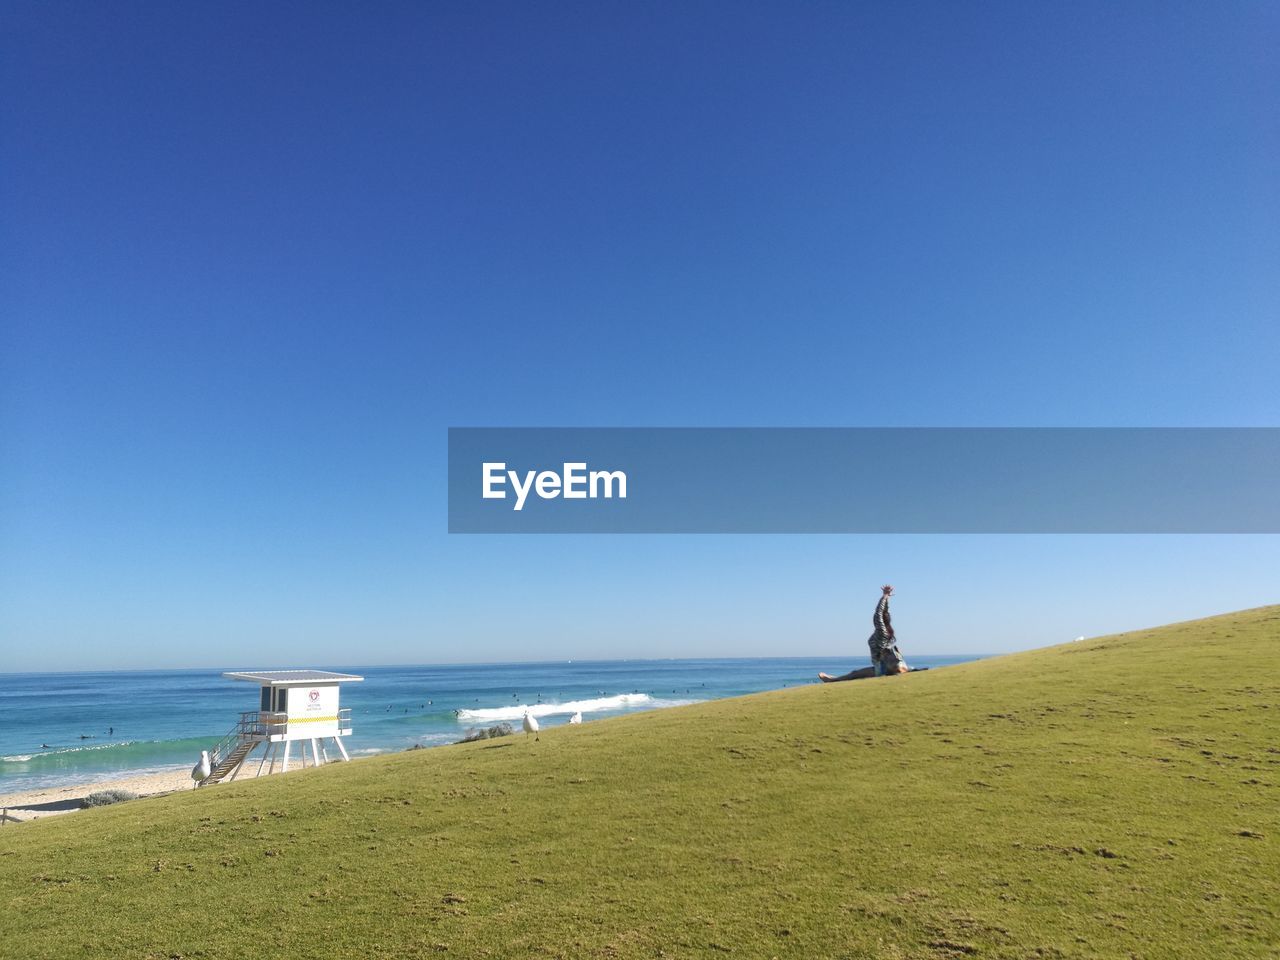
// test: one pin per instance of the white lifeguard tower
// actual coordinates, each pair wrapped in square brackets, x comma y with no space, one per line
[293,705]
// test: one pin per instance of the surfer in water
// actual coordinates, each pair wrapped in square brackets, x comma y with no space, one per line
[886,660]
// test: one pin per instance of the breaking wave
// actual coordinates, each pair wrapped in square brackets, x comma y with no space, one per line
[624,701]
[120,753]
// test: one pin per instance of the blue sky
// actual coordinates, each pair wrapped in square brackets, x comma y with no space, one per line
[256,260]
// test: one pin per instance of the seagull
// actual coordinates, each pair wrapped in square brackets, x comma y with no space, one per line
[202,769]
[530,726]
[576,718]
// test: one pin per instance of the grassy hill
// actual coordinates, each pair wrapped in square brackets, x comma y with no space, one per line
[1111,798]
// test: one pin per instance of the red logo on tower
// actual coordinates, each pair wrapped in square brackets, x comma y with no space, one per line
[314,695]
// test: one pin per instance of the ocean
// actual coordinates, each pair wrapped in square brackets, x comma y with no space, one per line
[78,728]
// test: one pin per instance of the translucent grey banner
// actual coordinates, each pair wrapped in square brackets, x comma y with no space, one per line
[864,480]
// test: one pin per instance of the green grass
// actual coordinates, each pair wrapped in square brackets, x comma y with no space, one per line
[1111,798]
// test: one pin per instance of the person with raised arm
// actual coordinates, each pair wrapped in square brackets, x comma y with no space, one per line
[886,660]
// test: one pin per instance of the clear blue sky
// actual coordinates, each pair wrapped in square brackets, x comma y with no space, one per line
[255,259]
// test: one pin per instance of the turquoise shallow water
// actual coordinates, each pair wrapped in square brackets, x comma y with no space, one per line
[63,728]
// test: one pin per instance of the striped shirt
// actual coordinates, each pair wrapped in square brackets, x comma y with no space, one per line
[882,638]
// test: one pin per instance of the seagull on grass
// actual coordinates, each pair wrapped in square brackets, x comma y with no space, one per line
[202,769]
[530,726]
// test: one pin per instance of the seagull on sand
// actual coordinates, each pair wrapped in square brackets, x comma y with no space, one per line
[530,726]
[202,769]
[576,718]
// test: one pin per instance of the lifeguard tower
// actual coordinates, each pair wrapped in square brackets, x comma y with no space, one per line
[293,705]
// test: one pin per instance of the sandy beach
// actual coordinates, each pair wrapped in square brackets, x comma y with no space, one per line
[52,801]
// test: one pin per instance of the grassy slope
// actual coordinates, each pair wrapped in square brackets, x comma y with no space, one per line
[1114,797]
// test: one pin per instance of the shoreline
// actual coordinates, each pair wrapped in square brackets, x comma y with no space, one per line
[25,805]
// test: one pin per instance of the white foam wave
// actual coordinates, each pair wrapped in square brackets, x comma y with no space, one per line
[516,712]
[54,751]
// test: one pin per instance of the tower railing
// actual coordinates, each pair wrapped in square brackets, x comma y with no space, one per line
[252,725]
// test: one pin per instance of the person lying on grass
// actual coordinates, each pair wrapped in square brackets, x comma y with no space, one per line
[886,660]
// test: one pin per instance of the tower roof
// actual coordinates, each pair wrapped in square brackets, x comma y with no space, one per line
[292,678]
